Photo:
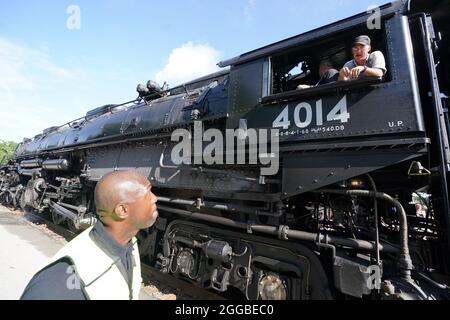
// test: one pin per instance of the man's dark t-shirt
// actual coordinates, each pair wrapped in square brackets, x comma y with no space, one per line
[331,75]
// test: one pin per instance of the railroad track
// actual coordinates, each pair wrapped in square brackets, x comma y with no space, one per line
[164,282]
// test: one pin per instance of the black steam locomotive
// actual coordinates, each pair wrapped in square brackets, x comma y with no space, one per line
[347,199]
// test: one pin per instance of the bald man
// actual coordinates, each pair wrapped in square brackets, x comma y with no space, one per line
[103,261]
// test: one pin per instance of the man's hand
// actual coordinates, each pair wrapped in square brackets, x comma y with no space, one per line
[351,74]
[344,74]
[355,72]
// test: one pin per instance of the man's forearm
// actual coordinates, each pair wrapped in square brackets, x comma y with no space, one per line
[373,72]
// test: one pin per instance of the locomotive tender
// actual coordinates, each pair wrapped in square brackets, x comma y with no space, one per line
[335,221]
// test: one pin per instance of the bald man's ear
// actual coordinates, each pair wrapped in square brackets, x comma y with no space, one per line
[121,211]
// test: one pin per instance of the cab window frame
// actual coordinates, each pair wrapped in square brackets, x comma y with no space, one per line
[339,52]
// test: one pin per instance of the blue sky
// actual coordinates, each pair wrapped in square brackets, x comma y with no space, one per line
[50,74]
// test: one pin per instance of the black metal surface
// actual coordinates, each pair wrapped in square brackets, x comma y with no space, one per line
[306,172]
[441,128]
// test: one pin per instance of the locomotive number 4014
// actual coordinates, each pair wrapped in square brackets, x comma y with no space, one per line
[303,115]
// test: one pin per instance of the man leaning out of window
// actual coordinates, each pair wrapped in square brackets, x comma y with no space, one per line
[365,64]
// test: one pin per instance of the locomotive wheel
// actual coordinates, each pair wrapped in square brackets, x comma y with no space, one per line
[7,198]
[22,202]
[16,200]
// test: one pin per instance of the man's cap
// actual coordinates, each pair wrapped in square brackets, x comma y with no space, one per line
[362,40]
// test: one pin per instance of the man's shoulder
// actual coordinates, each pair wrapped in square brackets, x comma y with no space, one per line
[377,60]
[331,75]
[331,72]
[349,64]
[376,54]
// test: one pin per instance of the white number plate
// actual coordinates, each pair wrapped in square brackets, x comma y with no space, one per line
[303,115]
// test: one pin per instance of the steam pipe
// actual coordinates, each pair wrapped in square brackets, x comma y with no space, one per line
[282,230]
[375,213]
[221,206]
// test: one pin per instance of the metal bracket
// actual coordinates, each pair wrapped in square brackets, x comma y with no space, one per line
[220,279]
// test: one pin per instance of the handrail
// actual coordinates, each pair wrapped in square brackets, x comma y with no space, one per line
[339,85]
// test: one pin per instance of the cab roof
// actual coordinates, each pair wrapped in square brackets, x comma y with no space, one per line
[342,25]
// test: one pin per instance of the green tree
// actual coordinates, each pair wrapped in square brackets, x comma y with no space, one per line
[7,149]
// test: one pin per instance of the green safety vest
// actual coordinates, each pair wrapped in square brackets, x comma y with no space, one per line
[100,277]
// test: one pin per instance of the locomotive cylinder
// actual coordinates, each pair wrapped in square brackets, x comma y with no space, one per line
[57,164]
[29,172]
[33,163]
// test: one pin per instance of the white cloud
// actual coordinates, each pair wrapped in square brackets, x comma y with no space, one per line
[29,86]
[188,62]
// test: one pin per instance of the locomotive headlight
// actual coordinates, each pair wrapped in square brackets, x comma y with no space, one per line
[186,262]
[271,287]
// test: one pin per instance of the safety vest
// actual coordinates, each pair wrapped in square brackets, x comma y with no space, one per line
[100,277]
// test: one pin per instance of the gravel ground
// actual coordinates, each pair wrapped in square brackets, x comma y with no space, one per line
[158,294]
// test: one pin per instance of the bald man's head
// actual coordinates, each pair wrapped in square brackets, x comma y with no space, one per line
[120,195]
